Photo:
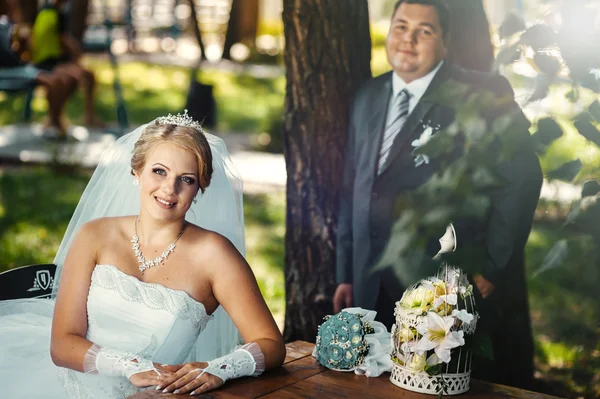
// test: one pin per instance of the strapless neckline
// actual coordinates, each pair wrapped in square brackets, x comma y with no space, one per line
[141,283]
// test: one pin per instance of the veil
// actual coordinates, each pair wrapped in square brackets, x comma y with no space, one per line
[110,192]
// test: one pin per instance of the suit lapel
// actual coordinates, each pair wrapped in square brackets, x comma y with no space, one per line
[416,117]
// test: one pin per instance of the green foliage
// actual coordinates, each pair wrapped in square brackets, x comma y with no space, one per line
[435,369]
[461,186]
[566,172]
[565,311]
[36,207]
[548,130]
[555,257]
[480,345]
[594,110]
[264,216]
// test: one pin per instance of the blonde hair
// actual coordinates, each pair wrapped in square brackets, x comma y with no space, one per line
[187,138]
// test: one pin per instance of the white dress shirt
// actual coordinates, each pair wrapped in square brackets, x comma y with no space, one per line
[416,88]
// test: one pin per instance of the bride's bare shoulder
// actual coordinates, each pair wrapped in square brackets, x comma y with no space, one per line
[106,226]
[210,243]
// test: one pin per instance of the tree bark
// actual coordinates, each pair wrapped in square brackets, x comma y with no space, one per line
[327,56]
[242,25]
[470,41]
[78,19]
[197,33]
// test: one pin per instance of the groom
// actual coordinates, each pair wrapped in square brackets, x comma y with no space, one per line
[387,116]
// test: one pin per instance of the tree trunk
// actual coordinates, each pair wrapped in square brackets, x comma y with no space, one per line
[78,19]
[196,28]
[327,56]
[242,26]
[470,41]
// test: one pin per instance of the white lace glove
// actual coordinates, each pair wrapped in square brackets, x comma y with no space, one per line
[114,363]
[245,361]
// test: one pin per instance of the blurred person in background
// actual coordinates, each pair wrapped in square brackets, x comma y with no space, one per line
[54,49]
[14,56]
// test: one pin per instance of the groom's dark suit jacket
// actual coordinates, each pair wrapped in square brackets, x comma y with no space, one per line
[367,200]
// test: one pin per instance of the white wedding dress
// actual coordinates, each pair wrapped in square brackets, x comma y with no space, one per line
[153,321]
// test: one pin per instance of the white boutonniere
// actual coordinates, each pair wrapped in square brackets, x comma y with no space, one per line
[428,132]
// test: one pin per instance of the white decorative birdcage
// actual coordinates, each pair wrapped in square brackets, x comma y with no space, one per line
[434,320]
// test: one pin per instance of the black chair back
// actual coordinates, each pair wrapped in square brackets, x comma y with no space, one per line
[34,281]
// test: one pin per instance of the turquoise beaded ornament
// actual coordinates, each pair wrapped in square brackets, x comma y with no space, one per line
[340,343]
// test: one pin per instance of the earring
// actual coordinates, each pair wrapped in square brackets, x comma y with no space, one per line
[135,181]
[195,200]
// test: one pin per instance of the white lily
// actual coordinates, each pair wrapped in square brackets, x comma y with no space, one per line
[420,298]
[436,335]
[404,334]
[417,363]
[463,316]
[450,299]
[444,292]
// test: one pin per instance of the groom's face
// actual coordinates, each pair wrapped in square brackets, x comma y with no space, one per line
[416,42]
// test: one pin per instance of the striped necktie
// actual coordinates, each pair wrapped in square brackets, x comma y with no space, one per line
[393,128]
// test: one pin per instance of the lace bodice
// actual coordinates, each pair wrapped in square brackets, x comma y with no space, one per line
[149,319]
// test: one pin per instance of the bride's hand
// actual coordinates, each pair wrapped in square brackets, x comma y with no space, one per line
[190,378]
[150,378]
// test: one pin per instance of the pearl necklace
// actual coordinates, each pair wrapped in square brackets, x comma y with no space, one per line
[146,264]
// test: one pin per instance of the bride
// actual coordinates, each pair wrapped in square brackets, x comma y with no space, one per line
[151,278]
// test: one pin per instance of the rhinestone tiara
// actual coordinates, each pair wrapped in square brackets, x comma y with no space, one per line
[180,120]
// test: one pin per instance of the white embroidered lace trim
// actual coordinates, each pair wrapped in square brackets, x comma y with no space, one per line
[240,363]
[89,360]
[154,296]
[259,357]
[114,363]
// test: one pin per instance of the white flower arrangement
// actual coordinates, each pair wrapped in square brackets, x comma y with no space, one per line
[433,320]
[428,132]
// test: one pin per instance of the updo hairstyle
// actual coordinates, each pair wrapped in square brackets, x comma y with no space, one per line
[187,138]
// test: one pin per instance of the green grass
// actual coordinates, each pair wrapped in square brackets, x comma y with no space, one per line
[35,208]
[265,230]
[244,103]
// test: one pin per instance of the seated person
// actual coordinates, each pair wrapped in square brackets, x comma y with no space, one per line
[54,49]
[14,55]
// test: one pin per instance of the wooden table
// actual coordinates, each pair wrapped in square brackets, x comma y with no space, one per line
[301,376]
